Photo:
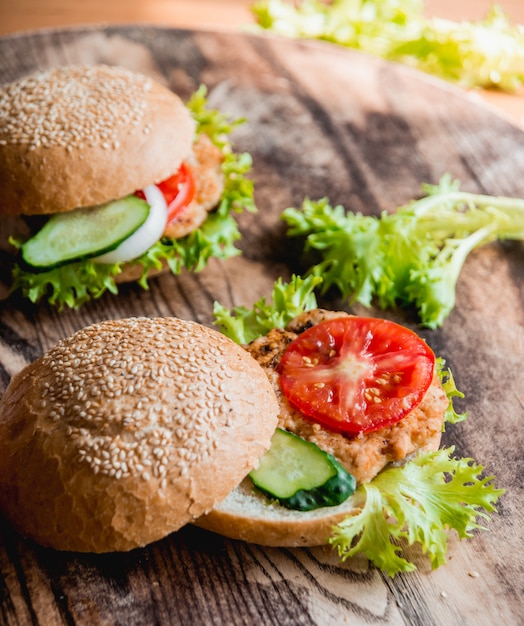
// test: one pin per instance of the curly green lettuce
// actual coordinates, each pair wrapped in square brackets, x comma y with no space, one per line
[450,389]
[485,53]
[411,257]
[418,503]
[75,284]
[288,300]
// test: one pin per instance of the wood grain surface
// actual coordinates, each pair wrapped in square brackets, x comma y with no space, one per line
[321,122]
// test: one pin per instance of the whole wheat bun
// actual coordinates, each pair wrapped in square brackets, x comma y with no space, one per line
[128,430]
[83,135]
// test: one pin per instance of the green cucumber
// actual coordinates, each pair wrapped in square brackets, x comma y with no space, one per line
[300,475]
[84,233]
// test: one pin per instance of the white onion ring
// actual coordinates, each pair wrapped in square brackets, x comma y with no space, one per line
[146,235]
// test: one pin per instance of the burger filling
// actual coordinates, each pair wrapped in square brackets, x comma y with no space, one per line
[124,229]
[192,191]
[178,204]
[365,453]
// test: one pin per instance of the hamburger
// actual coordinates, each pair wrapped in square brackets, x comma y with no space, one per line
[108,177]
[322,428]
[128,430]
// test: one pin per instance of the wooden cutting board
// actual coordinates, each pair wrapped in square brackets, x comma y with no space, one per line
[321,122]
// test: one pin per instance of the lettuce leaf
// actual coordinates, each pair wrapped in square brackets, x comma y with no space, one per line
[486,53]
[450,389]
[70,285]
[417,503]
[75,284]
[413,256]
[243,325]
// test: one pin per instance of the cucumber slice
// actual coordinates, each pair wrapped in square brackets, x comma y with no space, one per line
[84,233]
[300,475]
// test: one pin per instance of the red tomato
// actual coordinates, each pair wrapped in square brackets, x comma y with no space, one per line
[356,374]
[178,191]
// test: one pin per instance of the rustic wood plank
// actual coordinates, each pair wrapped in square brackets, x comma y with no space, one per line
[322,121]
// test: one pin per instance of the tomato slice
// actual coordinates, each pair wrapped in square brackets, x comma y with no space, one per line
[356,374]
[178,191]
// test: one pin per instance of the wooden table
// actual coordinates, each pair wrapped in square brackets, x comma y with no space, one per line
[321,121]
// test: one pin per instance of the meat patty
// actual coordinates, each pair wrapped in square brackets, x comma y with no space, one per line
[366,454]
[206,163]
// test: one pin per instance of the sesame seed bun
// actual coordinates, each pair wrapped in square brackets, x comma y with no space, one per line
[247,515]
[128,430]
[79,136]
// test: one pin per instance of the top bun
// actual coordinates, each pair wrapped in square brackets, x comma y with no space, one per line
[128,430]
[80,136]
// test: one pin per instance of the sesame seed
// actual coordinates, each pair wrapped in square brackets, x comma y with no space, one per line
[32,114]
[124,429]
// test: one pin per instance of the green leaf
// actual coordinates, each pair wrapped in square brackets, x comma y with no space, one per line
[486,53]
[238,189]
[411,257]
[243,325]
[451,391]
[352,260]
[418,503]
[70,285]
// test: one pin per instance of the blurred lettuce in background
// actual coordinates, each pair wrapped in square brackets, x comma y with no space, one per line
[487,53]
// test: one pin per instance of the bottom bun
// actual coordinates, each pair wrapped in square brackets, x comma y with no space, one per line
[249,516]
